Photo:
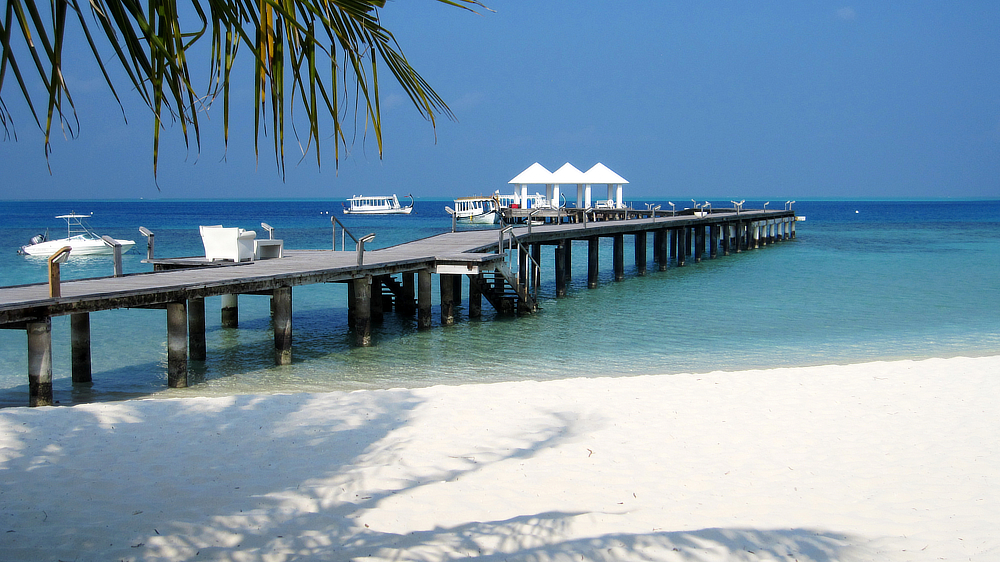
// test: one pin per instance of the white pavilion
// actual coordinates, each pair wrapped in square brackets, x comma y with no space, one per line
[568,175]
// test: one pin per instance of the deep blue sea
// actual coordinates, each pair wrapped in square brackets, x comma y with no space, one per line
[863,281]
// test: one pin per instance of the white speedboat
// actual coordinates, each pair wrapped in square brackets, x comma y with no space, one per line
[477,210]
[377,205]
[79,237]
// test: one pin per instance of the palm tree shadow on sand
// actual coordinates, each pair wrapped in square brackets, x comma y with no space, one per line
[298,489]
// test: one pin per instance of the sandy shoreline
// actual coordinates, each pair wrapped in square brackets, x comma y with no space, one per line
[878,461]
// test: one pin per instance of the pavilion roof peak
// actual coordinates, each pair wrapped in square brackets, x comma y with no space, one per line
[535,173]
[568,174]
[599,173]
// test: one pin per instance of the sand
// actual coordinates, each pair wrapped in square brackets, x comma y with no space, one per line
[878,461]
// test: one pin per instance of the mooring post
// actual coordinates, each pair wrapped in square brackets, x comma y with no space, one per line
[560,265]
[198,350]
[230,311]
[618,256]
[281,322]
[363,311]
[640,253]
[79,328]
[40,362]
[423,299]
[593,261]
[475,296]
[177,350]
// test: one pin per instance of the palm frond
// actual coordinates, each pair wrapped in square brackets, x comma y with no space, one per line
[153,41]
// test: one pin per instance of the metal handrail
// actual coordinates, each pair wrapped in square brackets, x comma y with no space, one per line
[534,268]
[344,232]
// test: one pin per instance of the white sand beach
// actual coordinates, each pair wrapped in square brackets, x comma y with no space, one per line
[879,461]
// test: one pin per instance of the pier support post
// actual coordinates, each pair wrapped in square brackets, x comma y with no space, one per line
[713,241]
[363,311]
[230,311]
[423,300]
[568,261]
[618,256]
[640,253]
[657,240]
[593,261]
[375,307]
[447,286]
[177,350]
[281,321]
[681,246]
[727,233]
[673,242]
[456,290]
[475,296]
[197,348]
[560,265]
[351,304]
[40,362]
[739,237]
[405,304]
[662,249]
[699,242]
[79,327]
[536,252]
[793,227]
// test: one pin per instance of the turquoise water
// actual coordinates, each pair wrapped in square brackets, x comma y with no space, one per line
[862,281]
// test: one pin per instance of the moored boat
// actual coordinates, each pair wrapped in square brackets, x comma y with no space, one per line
[377,205]
[79,237]
[477,210]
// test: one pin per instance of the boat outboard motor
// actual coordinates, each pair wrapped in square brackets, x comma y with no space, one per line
[38,239]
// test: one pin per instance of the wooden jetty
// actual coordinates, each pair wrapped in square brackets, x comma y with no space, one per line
[502,266]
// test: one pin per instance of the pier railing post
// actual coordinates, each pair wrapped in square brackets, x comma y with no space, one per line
[149,241]
[116,249]
[55,280]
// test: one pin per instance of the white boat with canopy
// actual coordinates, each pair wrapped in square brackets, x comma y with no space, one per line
[79,237]
[477,210]
[377,205]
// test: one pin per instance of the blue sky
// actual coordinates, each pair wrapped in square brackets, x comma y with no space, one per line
[744,100]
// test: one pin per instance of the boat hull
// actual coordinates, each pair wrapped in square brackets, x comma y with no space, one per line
[78,247]
[484,218]
[399,211]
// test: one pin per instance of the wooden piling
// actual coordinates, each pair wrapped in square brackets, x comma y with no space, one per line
[568,259]
[407,305]
[375,306]
[593,261]
[681,245]
[79,328]
[197,346]
[423,299]
[363,311]
[447,285]
[560,268]
[177,350]
[230,311]
[618,255]
[351,304]
[40,362]
[713,241]
[281,322]
[475,296]
[640,253]
[699,242]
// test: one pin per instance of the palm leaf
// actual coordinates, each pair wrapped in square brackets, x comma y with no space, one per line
[153,42]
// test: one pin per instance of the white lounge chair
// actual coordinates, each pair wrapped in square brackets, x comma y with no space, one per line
[227,243]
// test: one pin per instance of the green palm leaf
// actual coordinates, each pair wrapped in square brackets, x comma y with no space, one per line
[289,40]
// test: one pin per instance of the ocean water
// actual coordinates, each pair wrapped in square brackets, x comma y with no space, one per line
[863,281]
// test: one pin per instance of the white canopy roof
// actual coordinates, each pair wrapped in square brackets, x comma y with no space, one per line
[599,173]
[568,174]
[536,173]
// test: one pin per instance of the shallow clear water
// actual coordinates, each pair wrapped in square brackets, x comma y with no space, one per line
[862,281]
